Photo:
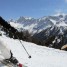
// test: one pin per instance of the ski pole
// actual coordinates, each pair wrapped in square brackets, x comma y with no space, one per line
[29,56]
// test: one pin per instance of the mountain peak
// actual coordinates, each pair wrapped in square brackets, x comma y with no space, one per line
[28,18]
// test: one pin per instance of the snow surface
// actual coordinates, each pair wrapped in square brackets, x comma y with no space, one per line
[53,21]
[16,25]
[41,56]
[61,24]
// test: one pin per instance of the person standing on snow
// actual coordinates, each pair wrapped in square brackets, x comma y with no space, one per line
[7,54]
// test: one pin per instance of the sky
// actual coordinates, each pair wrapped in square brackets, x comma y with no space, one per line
[13,9]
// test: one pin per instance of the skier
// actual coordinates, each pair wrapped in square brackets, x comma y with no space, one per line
[7,54]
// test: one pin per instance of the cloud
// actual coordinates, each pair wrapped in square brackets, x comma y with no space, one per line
[58,11]
[66,1]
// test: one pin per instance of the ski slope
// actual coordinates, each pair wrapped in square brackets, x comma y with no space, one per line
[41,56]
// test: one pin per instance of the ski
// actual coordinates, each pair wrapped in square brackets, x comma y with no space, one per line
[9,64]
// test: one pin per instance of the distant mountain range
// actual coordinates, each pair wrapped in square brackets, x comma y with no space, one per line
[38,25]
[48,30]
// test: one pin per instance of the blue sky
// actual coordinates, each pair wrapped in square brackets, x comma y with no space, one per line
[31,8]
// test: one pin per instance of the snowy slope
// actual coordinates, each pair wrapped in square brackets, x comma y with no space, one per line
[41,56]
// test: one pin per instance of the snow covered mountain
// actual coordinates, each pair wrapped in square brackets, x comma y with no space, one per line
[46,31]
[50,36]
[41,56]
[38,25]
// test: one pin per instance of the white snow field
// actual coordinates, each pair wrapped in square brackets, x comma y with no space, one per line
[41,56]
